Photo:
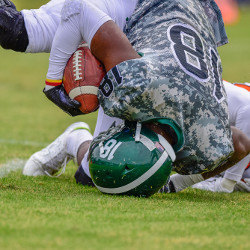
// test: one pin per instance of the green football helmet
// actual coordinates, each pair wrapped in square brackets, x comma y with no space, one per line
[130,160]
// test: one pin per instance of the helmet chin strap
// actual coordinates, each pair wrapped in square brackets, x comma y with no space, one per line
[168,147]
[138,131]
[150,145]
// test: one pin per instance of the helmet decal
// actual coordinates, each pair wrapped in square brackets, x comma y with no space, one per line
[109,149]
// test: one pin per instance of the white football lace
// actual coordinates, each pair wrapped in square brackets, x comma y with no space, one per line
[138,131]
[60,172]
[77,65]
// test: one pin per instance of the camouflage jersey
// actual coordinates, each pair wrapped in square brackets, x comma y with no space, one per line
[178,78]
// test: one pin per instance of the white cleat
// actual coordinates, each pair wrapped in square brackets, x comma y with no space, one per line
[213,185]
[243,185]
[50,160]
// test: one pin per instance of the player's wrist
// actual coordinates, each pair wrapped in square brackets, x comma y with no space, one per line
[58,96]
[50,84]
[53,82]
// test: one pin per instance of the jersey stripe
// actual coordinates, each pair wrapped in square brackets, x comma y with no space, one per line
[243,85]
[88,90]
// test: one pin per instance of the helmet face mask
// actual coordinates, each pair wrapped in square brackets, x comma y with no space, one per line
[121,165]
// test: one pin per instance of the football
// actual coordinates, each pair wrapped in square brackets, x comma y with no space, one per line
[82,77]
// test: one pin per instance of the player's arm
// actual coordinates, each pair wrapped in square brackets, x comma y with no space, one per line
[77,24]
[92,25]
[110,46]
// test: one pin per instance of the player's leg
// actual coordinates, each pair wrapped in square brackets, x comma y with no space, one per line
[104,122]
[242,122]
[239,113]
[244,184]
[85,21]
[225,182]
[73,143]
[51,159]
[241,150]
[13,34]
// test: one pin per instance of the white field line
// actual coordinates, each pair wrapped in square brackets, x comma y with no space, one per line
[12,165]
[16,164]
[24,143]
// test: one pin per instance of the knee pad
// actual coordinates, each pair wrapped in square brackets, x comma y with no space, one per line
[13,34]
[7,3]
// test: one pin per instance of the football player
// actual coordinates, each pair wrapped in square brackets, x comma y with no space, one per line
[177,55]
[160,86]
[67,146]
[238,176]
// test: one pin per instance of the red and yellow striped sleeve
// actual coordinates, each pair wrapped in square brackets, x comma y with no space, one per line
[51,82]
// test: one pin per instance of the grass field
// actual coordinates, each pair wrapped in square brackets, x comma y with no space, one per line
[55,213]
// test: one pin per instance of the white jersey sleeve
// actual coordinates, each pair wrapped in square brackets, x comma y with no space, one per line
[41,25]
[79,22]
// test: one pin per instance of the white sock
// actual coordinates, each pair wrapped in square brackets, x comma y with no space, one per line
[184,181]
[75,139]
[228,184]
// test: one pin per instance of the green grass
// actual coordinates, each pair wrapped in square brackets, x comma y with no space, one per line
[235,56]
[52,213]
[55,213]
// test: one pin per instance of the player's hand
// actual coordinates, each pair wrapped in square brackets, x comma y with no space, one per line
[59,97]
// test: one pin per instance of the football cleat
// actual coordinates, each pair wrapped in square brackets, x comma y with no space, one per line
[51,159]
[213,185]
[243,185]
[168,187]
[82,178]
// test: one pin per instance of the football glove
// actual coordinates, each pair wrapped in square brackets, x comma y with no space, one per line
[61,99]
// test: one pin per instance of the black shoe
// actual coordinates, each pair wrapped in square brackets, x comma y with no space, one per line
[82,178]
[168,188]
